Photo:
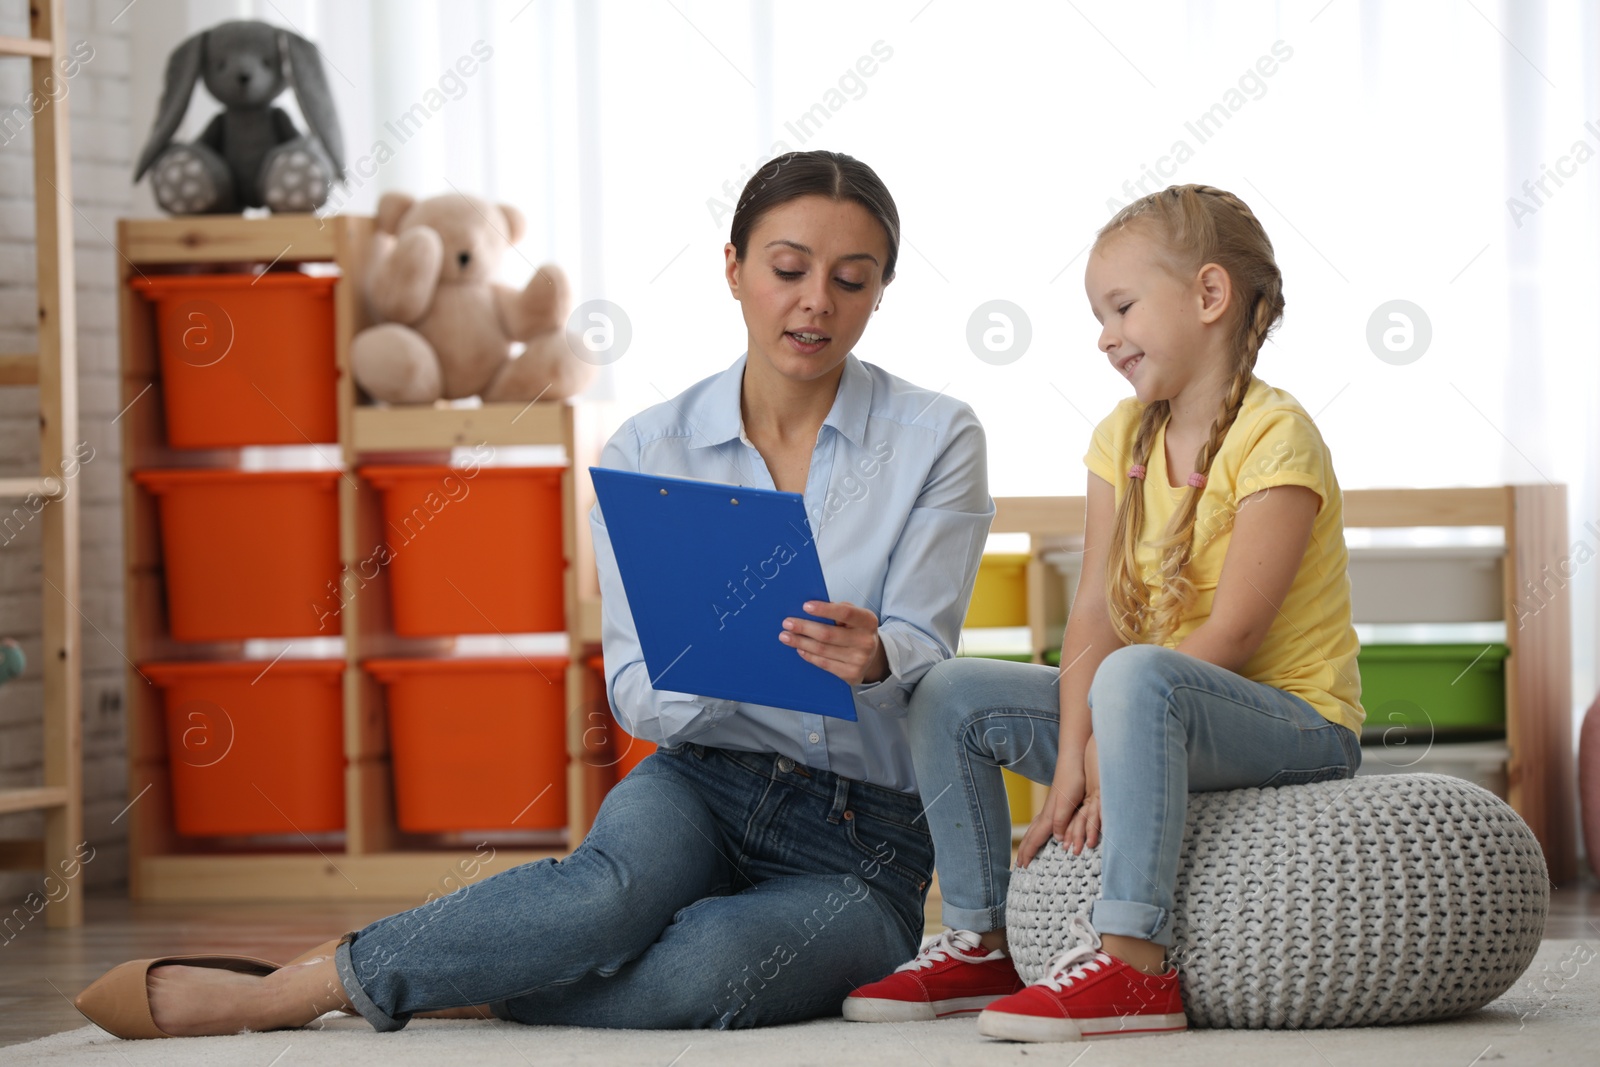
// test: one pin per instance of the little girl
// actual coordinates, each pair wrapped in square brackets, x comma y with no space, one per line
[1209,645]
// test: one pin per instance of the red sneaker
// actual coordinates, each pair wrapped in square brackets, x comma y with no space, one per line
[952,975]
[1086,993]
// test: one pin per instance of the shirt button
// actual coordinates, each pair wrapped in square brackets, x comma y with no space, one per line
[785,764]
[815,737]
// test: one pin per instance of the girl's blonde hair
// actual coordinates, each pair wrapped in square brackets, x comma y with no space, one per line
[1192,225]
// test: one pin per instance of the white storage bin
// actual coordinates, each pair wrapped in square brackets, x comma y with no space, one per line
[1426,583]
[1479,762]
[1068,563]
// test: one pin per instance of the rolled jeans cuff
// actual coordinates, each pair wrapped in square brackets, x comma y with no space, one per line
[1127,918]
[978,920]
[381,1020]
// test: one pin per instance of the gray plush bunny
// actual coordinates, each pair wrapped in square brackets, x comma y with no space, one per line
[251,155]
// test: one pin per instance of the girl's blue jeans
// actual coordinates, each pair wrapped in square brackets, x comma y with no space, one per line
[716,889]
[1165,724]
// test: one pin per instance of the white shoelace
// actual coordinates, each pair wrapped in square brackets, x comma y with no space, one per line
[1070,963]
[952,943]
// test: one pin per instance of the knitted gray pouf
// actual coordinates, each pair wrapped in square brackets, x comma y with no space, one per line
[1381,899]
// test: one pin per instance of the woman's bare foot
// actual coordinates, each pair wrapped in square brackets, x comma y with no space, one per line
[199,1001]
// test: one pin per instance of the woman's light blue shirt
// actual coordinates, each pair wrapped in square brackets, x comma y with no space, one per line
[898,497]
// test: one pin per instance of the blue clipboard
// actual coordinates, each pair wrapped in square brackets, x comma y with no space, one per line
[711,572]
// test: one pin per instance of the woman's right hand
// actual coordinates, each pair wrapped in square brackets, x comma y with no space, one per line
[1061,802]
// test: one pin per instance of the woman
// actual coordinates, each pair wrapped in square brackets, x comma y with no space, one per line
[763,862]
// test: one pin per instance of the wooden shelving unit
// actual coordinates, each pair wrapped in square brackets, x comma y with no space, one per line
[54,369]
[1533,520]
[373,859]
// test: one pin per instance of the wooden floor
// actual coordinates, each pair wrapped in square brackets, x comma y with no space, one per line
[41,970]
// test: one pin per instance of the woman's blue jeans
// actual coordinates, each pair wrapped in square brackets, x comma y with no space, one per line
[716,889]
[1165,724]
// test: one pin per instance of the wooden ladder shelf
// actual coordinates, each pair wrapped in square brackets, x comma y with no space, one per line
[54,370]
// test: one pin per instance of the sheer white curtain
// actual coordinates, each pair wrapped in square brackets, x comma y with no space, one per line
[1380,144]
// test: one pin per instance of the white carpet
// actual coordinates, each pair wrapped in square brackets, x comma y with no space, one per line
[1551,1016]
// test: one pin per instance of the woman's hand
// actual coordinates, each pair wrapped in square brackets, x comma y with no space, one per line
[1084,830]
[1061,802]
[850,649]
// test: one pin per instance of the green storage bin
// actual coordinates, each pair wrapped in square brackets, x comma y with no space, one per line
[1438,687]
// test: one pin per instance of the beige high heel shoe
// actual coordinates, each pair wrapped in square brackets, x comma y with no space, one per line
[118,1002]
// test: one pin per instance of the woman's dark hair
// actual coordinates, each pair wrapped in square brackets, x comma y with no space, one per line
[817,173]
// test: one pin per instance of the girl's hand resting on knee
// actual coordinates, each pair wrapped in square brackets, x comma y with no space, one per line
[850,648]
[1061,803]
[1084,830]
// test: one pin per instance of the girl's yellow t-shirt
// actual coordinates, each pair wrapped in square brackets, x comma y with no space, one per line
[1310,650]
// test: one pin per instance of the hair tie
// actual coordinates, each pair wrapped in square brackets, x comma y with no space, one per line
[1197,480]
[1136,471]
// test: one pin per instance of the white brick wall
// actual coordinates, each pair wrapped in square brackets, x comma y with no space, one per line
[103,144]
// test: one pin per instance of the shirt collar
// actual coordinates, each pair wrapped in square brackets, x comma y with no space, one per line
[853,403]
[718,420]
[716,417]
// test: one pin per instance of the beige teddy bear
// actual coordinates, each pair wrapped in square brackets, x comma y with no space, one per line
[447,327]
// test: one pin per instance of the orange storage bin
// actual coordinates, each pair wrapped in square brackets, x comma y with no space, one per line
[248,553]
[630,751]
[246,359]
[473,553]
[478,743]
[253,748]
[626,750]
